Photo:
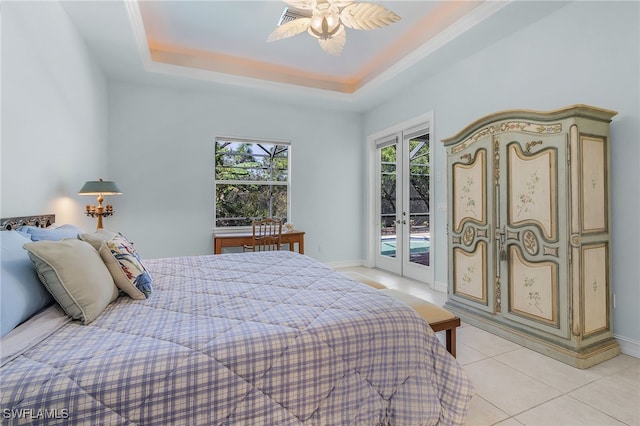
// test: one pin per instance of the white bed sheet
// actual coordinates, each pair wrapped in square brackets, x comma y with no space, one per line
[31,332]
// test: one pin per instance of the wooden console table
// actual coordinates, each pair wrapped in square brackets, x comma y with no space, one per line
[239,239]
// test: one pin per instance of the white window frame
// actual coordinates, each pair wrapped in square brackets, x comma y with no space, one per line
[249,140]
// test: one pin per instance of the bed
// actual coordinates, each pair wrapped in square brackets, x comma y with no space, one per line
[272,338]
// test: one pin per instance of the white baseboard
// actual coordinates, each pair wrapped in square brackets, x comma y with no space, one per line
[345,264]
[628,346]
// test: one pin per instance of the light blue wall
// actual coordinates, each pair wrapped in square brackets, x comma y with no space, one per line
[54,114]
[62,124]
[161,151]
[586,52]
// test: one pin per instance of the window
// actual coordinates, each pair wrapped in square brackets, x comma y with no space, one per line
[251,181]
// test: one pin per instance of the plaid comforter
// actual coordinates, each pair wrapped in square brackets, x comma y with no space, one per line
[270,338]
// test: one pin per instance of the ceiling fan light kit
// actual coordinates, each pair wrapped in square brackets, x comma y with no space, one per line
[326,19]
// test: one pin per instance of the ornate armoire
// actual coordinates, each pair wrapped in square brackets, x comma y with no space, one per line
[528,230]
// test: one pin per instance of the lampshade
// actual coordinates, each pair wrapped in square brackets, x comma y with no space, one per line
[97,187]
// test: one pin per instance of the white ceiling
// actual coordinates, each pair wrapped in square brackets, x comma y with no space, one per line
[221,44]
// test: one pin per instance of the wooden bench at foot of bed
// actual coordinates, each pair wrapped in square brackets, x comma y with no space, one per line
[438,318]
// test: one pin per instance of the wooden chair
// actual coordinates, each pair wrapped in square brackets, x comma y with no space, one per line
[266,235]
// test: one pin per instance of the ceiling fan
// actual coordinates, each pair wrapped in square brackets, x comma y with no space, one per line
[326,20]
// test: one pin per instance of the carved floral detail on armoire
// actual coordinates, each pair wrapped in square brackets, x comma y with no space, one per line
[528,234]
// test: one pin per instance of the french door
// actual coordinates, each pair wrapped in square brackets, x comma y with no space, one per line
[403,223]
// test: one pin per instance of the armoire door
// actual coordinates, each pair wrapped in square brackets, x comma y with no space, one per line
[472,261]
[532,238]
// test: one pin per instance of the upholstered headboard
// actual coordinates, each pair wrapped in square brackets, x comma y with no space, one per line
[42,221]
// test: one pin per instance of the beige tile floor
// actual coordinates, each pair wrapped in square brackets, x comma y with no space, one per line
[517,386]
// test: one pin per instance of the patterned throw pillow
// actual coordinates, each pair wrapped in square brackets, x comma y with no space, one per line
[126,267]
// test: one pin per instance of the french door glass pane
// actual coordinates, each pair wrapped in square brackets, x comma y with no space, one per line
[388,201]
[419,229]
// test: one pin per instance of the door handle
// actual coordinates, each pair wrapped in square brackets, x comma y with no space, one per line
[501,239]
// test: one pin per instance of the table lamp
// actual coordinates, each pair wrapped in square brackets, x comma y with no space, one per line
[100,188]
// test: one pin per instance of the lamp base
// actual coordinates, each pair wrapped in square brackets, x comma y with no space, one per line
[99,212]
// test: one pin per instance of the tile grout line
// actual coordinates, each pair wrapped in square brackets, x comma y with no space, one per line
[597,409]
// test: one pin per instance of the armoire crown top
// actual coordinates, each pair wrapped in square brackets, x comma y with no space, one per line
[525,115]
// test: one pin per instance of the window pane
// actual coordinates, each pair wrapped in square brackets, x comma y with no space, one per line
[388,200]
[251,161]
[239,204]
[420,240]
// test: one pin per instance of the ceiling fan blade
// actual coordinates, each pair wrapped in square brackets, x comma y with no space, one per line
[340,3]
[367,16]
[289,29]
[335,44]
[301,4]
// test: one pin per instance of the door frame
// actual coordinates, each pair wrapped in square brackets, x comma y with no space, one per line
[371,193]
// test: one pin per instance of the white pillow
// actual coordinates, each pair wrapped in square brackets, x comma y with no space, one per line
[96,238]
[75,275]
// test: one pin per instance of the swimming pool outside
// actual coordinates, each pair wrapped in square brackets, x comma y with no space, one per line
[418,245]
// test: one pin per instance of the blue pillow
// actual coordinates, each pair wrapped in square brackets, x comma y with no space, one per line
[51,234]
[22,294]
